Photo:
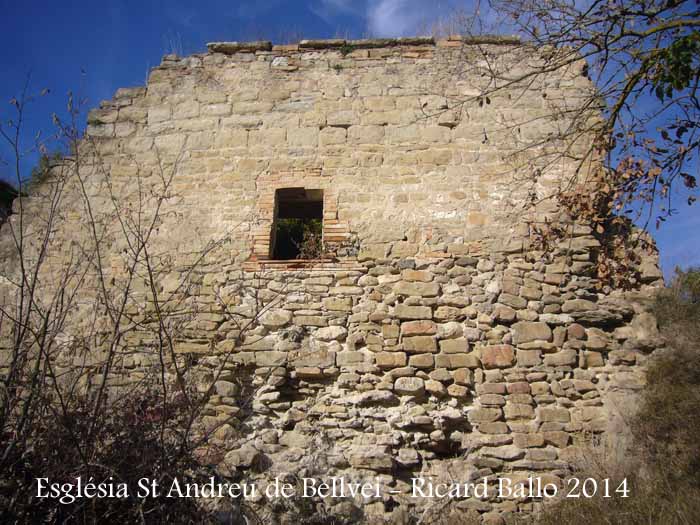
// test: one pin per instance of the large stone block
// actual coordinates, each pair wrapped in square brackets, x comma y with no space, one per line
[413,386]
[411,328]
[420,344]
[370,457]
[276,318]
[524,332]
[454,346]
[338,304]
[403,311]
[410,288]
[497,356]
[388,360]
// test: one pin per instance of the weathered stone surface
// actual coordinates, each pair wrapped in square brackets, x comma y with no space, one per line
[484,415]
[529,358]
[409,386]
[389,360]
[373,397]
[561,358]
[341,304]
[421,361]
[416,288]
[320,358]
[512,300]
[270,358]
[458,391]
[412,312]
[463,376]
[524,332]
[226,388]
[418,328]
[370,457]
[420,344]
[547,414]
[454,346]
[435,388]
[243,457]
[509,452]
[366,350]
[331,333]
[578,305]
[497,356]
[452,361]
[518,411]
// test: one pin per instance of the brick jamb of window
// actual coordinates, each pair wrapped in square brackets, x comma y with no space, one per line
[335,232]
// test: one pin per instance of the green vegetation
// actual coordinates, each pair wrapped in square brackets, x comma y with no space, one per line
[298,239]
[46,162]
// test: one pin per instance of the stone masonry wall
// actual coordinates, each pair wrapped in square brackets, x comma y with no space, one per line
[432,339]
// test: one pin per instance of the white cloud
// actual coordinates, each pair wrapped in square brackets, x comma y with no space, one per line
[393,17]
[329,9]
[407,17]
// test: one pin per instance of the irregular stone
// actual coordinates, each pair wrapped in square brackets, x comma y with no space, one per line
[449,330]
[524,332]
[413,386]
[337,304]
[547,414]
[484,415]
[331,333]
[508,452]
[504,314]
[270,358]
[497,356]
[578,305]
[452,361]
[319,358]
[226,388]
[492,400]
[420,344]
[408,457]
[454,346]
[519,411]
[463,376]
[310,320]
[512,300]
[556,319]
[418,328]
[373,397]
[561,358]
[420,289]
[528,440]
[387,360]
[576,331]
[421,361]
[243,457]
[403,311]
[370,457]
[435,388]
[457,391]
[528,358]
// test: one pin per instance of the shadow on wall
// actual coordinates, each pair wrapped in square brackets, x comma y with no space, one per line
[7,194]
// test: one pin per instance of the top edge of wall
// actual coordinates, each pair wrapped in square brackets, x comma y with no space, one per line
[230,48]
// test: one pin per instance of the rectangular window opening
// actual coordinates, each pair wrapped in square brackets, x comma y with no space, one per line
[297,230]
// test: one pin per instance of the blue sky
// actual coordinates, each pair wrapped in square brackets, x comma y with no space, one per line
[93,48]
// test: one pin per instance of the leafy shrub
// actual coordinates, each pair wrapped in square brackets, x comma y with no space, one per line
[298,239]
[137,436]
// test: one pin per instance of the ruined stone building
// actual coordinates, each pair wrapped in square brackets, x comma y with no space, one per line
[347,222]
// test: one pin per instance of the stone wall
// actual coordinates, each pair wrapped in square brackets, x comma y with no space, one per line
[433,339]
